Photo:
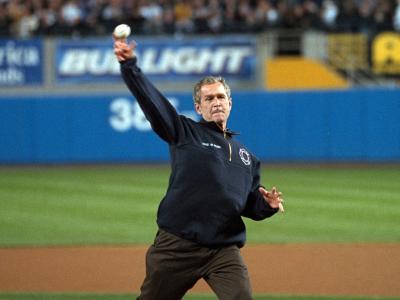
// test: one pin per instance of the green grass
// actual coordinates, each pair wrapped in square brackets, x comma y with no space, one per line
[333,204]
[118,204]
[83,296]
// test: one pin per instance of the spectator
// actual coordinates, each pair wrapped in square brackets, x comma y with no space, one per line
[71,13]
[383,16]
[49,18]
[28,23]
[215,16]
[229,23]
[245,16]
[396,17]
[310,14]
[152,14]
[133,17]
[348,17]
[183,16]
[15,12]
[112,14]
[200,16]
[288,16]
[329,13]
[92,10]
[168,19]
[266,15]
[5,21]
[365,10]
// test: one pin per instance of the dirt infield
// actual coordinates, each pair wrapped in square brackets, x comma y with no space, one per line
[309,269]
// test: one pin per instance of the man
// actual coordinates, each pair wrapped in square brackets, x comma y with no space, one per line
[214,182]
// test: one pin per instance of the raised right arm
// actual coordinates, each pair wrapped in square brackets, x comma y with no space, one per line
[162,116]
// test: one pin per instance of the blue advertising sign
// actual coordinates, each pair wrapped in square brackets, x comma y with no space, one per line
[93,60]
[21,62]
[62,129]
[301,126]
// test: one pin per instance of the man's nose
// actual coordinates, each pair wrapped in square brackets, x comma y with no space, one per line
[217,101]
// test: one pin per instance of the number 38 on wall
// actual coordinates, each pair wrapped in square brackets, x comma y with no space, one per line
[127,114]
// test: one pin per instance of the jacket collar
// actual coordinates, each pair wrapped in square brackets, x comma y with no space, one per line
[212,125]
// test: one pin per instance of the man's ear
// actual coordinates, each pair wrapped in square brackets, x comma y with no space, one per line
[197,108]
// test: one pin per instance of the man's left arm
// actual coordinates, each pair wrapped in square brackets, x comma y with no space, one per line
[262,203]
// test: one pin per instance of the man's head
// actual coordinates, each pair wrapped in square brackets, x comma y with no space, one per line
[212,100]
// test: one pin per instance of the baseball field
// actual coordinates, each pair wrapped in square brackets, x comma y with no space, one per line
[81,232]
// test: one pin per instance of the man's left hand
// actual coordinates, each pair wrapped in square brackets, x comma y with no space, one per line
[273,198]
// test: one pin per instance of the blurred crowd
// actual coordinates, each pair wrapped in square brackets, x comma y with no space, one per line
[26,18]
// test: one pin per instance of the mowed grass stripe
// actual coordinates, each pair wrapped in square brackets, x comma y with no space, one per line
[85,188]
[67,204]
[344,204]
[334,204]
[103,205]
[73,198]
[70,219]
[324,220]
[66,211]
[100,174]
[55,230]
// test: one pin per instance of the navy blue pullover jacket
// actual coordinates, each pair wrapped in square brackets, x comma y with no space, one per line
[214,179]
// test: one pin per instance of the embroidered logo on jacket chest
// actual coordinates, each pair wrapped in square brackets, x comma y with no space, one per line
[245,156]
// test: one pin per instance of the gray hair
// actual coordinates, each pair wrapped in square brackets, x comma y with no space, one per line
[209,80]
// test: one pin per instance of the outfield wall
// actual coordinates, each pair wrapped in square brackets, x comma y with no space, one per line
[356,125]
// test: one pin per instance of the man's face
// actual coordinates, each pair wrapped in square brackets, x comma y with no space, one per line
[214,104]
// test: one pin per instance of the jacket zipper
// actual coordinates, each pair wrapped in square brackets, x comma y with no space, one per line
[230,147]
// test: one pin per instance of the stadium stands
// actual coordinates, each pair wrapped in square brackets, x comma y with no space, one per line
[27,18]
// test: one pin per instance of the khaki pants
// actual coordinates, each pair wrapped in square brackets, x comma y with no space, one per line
[174,265]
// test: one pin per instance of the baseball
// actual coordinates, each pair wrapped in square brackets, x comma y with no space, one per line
[122,31]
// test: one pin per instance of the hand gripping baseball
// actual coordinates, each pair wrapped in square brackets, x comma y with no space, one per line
[122,49]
